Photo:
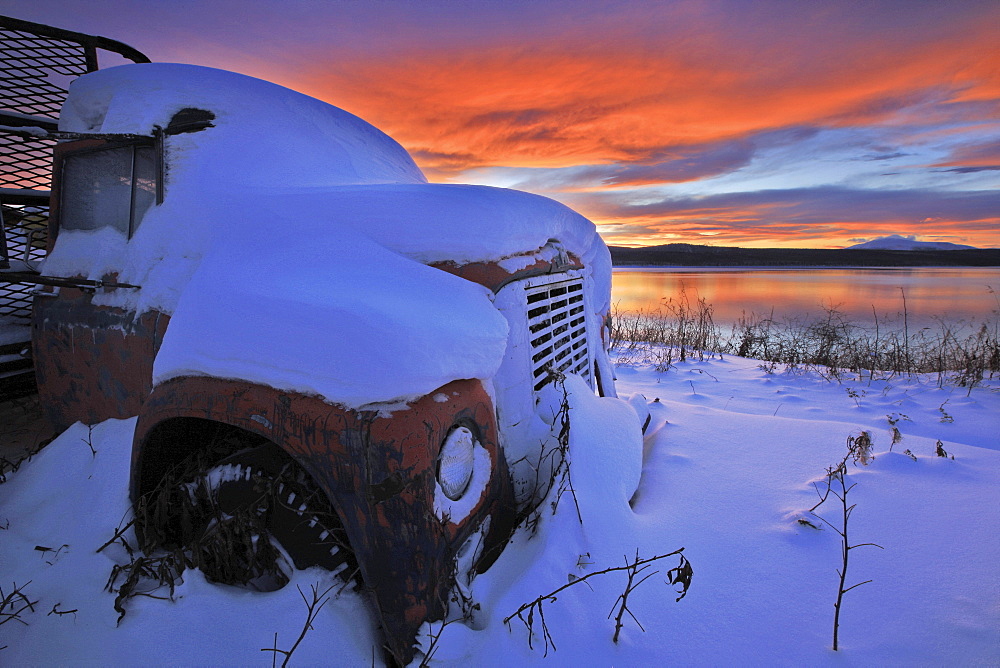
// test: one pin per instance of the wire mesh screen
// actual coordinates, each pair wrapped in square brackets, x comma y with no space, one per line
[37,64]
[15,303]
[37,71]
[25,163]
[26,231]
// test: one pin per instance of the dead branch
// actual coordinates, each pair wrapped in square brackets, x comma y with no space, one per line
[56,611]
[119,532]
[312,610]
[90,440]
[679,575]
[621,603]
[860,450]
[15,603]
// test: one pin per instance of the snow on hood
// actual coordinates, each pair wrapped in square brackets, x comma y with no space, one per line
[334,315]
[290,248]
[459,223]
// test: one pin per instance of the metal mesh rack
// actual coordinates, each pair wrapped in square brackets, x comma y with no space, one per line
[37,63]
[26,228]
[25,163]
[37,69]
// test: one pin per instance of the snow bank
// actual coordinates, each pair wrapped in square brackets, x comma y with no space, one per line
[726,472]
[291,243]
[64,505]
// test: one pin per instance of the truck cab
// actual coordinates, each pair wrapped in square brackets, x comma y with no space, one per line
[321,347]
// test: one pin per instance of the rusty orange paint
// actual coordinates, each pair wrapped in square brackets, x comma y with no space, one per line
[378,470]
[491,275]
[92,363]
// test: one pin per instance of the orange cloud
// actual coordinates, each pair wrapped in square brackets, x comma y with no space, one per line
[570,103]
[608,98]
[797,218]
[612,102]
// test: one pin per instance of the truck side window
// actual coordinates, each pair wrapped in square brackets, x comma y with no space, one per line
[144,184]
[108,187]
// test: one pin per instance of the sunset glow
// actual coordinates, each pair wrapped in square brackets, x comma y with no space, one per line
[773,123]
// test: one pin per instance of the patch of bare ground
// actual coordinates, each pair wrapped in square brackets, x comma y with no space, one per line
[23,430]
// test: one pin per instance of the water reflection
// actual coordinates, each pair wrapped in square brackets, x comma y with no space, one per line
[951,294]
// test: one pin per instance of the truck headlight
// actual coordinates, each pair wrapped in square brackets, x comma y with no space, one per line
[455,462]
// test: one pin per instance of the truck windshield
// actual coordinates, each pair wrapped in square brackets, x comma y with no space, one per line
[108,187]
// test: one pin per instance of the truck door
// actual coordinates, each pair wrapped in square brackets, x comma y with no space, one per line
[94,355]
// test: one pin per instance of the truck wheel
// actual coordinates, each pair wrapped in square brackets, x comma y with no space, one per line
[251,517]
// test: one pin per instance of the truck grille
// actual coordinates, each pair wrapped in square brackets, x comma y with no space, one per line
[557,322]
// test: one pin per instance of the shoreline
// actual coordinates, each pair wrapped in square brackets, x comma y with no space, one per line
[680,255]
[794,267]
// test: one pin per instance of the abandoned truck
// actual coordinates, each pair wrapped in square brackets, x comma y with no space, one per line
[318,343]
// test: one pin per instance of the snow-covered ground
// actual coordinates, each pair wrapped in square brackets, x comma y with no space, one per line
[728,469]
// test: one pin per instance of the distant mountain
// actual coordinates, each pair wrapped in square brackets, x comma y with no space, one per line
[899,243]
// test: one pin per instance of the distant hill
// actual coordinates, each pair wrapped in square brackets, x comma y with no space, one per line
[897,242]
[690,255]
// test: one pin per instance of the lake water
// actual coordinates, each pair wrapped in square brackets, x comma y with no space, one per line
[932,293]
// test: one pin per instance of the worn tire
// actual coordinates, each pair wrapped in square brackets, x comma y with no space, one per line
[251,517]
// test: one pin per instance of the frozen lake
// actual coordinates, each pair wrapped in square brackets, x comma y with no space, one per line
[931,293]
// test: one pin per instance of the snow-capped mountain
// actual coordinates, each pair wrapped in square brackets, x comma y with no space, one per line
[897,242]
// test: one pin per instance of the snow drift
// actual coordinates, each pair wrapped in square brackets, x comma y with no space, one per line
[727,471]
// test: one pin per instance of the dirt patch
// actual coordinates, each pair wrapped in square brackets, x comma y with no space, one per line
[23,430]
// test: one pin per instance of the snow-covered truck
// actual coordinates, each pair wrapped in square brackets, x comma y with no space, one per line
[320,346]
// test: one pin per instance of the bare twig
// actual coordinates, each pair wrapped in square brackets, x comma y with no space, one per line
[119,533]
[56,611]
[15,603]
[435,637]
[90,440]
[633,570]
[552,470]
[836,484]
[313,606]
[679,575]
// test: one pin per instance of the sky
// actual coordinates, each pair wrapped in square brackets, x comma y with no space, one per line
[772,123]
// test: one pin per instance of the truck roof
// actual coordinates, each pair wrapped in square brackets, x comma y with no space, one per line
[277,132]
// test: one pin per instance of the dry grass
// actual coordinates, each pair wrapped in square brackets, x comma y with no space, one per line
[831,344]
